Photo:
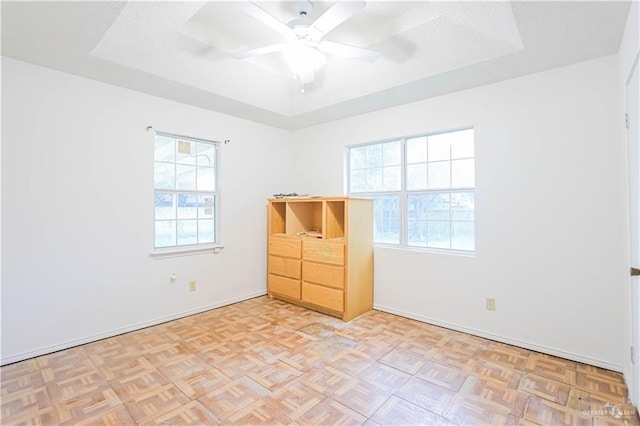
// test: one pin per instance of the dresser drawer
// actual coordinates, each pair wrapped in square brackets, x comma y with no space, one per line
[332,276]
[287,247]
[284,266]
[284,286]
[323,251]
[322,296]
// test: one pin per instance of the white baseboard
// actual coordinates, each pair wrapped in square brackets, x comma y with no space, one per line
[110,333]
[503,339]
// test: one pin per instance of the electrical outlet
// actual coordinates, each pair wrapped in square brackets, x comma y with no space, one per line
[491,304]
[192,286]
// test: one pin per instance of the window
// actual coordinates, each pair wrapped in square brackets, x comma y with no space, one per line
[423,189]
[185,191]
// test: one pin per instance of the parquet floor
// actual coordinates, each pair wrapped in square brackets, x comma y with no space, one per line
[267,362]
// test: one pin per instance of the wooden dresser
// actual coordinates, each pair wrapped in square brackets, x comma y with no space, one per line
[320,253]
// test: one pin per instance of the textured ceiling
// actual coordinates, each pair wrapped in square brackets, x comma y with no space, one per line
[181,50]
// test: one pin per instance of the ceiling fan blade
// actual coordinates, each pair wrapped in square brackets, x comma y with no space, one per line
[336,15]
[259,51]
[252,10]
[347,51]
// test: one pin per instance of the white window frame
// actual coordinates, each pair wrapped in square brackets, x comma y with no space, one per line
[199,248]
[404,193]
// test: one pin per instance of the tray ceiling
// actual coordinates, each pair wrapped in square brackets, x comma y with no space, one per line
[182,50]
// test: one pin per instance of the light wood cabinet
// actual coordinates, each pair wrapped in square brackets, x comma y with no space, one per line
[320,253]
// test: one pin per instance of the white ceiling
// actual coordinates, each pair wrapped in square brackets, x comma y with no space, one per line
[181,50]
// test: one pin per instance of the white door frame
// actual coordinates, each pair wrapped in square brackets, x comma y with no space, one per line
[633,141]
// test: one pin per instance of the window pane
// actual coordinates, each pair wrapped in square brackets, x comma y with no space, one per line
[186,177]
[165,233]
[187,232]
[186,152]
[417,150]
[462,146]
[439,175]
[417,233]
[462,206]
[165,149]
[438,206]
[358,181]
[417,206]
[374,155]
[164,176]
[206,207]
[206,179]
[374,179]
[391,233]
[439,147]
[438,234]
[463,173]
[417,176]
[187,206]
[463,236]
[391,153]
[165,206]
[391,178]
[206,154]
[386,213]
[357,157]
[206,232]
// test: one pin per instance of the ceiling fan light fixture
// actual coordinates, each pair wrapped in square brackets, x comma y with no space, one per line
[303,60]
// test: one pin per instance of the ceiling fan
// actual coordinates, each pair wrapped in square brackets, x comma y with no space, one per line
[304,46]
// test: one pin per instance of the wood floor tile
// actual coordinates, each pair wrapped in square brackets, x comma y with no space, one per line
[501,375]
[155,402]
[327,380]
[397,411]
[552,367]
[427,395]
[138,383]
[330,412]
[265,361]
[192,413]
[72,386]
[360,396]
[295,399]
[11,371]
[20,383]
[118,415]
[541,411]
[240,365]
[404,360]
[233,397]
[274,376]
[89,406]
[383,376]
[606,386]
[304,359]
[506,356]
[545,388]
[465,410]
[258,413]
[181,367]
[446,376]
[202,382]
[28,402]
[511,401]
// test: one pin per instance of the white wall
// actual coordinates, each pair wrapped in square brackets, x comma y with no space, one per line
[77,210]
[550,212]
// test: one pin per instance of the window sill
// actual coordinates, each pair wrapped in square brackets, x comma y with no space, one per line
[163,253]
[464,253]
